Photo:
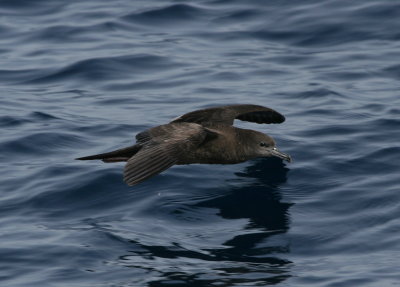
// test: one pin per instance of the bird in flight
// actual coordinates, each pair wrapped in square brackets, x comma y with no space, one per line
[204,136]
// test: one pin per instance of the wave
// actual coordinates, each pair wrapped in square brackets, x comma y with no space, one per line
[174,14]
[117,67]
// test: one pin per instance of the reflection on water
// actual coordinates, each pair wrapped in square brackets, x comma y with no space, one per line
[257,251]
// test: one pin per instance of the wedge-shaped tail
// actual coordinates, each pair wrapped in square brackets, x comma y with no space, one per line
[117,155]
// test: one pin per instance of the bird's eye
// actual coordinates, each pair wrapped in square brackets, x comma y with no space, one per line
[263,144]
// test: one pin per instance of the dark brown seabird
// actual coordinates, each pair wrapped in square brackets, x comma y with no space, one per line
[203,136]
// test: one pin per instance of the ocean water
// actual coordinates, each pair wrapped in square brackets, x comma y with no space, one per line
[83,77]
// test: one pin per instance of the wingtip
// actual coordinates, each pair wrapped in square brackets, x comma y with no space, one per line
[130,183]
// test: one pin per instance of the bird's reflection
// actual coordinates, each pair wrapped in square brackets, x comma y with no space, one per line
[255,254]
[260,203]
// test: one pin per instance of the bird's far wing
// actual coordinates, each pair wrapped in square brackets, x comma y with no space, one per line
[227,114]
[162,147]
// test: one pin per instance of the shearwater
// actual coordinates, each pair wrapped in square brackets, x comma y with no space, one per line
[204,136]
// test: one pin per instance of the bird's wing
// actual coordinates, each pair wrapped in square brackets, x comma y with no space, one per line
[148,162]
[227,114]
[162,147]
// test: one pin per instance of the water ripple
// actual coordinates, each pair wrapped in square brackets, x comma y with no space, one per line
[171,15]
[108,68]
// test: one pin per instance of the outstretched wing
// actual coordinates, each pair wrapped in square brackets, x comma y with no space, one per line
[162,147]
[148,162]
[227,114]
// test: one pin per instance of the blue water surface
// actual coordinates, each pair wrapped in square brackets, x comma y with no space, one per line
[83,77]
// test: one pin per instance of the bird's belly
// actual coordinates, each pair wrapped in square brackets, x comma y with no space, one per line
[207,156]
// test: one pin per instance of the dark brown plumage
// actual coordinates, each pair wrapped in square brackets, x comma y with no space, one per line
[203,136]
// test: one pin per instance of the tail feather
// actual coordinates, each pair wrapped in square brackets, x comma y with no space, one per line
[122,154]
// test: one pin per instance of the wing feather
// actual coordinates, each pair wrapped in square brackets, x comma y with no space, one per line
[146,163]
[262,117]
[143,137]
[162,147]
[227,114]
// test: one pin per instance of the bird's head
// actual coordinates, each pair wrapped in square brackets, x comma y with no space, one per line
[264,146]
